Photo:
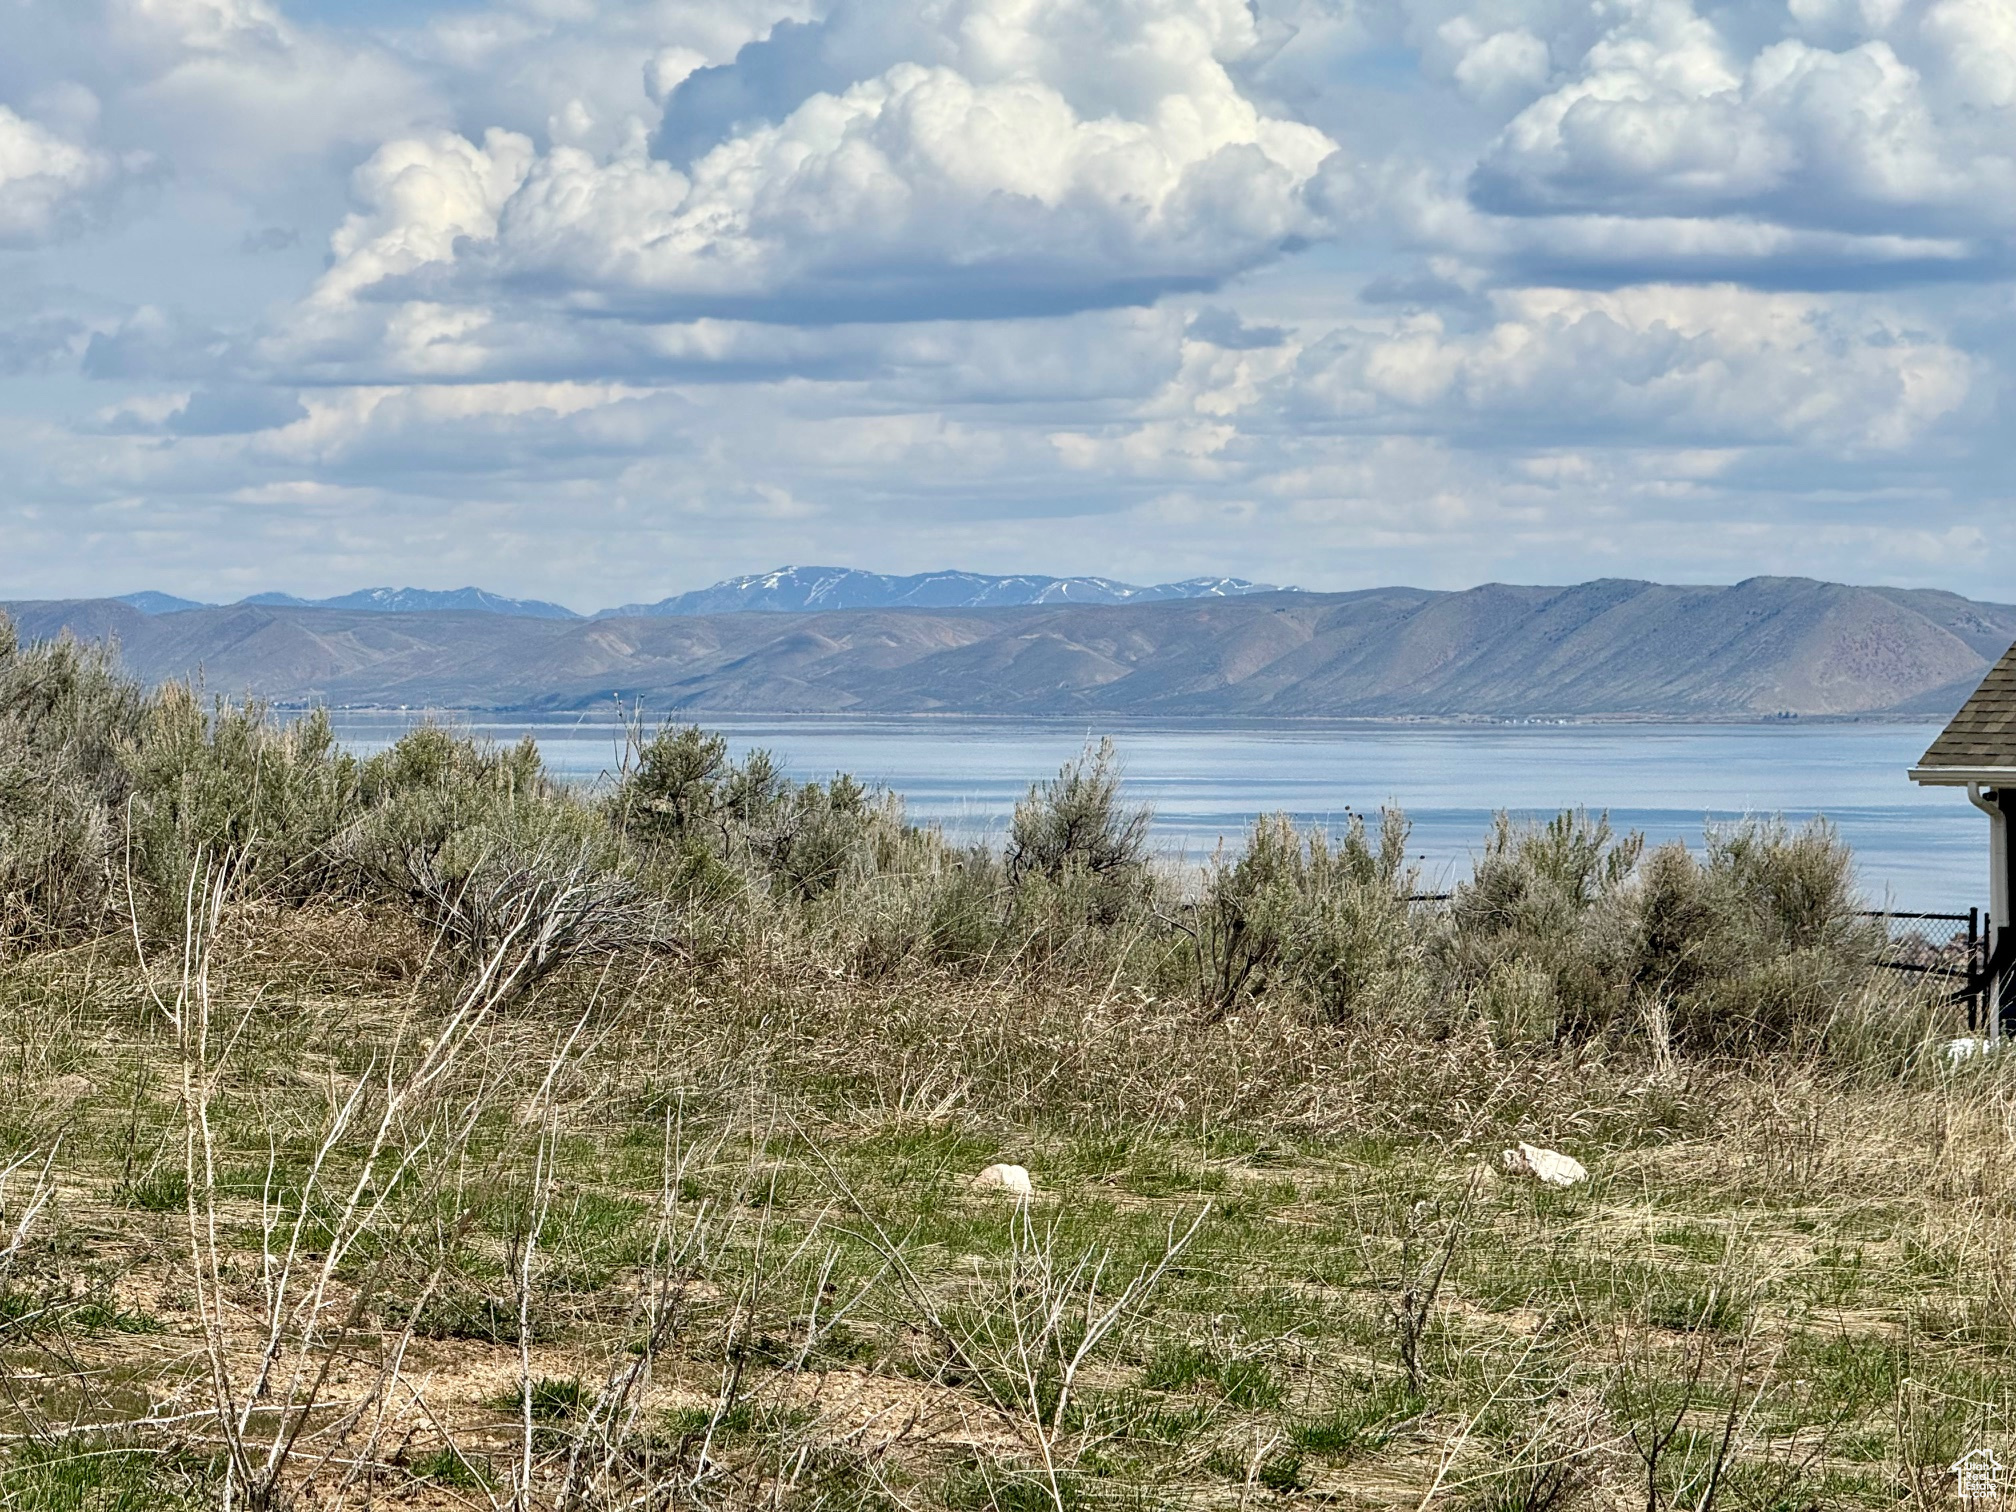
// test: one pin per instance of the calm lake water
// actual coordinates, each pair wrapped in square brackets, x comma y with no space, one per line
[1918,848]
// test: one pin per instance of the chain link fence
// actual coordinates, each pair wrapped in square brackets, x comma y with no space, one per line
[1949,948]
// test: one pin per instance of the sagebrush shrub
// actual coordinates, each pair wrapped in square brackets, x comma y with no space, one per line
[1758,943]
[68,718]
[113,797]
[1332,926]
[1078,822]
[233,779]
[1745,946]
[1077,854]
[1546,896]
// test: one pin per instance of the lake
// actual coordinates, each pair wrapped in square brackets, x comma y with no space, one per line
[1918,848]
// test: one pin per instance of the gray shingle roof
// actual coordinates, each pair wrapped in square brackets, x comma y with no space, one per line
[1983,733]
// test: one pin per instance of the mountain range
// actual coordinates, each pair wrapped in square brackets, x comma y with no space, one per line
[1606,649]
[420,601]
[799,589]
[369,601]
[785,590]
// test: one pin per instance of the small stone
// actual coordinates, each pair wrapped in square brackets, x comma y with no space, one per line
[1549,1167]
[1012,1179]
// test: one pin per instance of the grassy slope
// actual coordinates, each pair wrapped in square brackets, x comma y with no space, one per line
[787,1157]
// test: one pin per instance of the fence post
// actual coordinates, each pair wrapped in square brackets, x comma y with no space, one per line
[1976,975]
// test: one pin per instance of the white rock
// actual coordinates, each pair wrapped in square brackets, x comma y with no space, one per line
[1549,1167]
[1959,1050]
[1011,1179]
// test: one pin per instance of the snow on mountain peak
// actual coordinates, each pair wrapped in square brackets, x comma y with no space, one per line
[801,589]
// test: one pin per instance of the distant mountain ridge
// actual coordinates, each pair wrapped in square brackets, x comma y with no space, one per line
[788,590]
[370,601]
[783,590]
[151,602]
[421,601]
[1606,649]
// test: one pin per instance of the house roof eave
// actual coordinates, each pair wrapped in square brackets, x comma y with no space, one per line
[1964,776]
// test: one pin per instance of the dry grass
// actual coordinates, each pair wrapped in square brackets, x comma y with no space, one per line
[661,1234]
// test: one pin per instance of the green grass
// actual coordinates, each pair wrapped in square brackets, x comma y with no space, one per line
[445,1467]
[1241,1381]
[1362,1424]
[80,1475]
[160,1192]
[553,1399]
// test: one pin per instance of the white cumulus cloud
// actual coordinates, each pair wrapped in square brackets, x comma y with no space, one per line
[1689,365]
[997,175]
[49,184]
[1908,132]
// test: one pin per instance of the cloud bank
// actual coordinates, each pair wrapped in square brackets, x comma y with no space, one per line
[599,302]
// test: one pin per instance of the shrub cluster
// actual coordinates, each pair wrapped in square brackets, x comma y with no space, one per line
[1568,931]
[1335,928]
[113,797]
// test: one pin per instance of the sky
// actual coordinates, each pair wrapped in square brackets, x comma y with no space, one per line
[599,302]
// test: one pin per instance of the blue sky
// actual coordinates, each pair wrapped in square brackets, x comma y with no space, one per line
[600,301]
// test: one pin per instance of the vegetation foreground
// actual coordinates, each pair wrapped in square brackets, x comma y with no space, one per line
[420,1132]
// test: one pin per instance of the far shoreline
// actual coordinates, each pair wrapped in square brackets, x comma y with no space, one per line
[604,713]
